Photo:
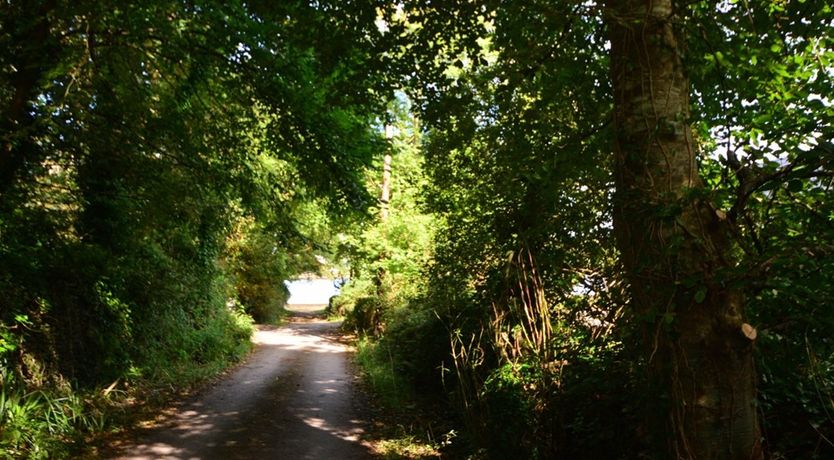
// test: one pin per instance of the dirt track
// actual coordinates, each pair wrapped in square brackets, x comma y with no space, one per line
[294,398]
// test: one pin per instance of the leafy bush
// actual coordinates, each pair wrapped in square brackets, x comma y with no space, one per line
[258,271]
[415,326]
[380,368]
[510,418]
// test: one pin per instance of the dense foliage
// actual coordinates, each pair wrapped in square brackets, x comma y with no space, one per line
[159,159]
[526,315]
[165,164]
[388,254]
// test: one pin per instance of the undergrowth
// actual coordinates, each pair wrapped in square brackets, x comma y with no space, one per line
[43,416]
[41,423]
[404,429]
[378,366]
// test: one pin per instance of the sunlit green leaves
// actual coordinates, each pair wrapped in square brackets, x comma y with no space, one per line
[148,131]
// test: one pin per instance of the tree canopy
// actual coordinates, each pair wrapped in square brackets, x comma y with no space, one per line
[609,230]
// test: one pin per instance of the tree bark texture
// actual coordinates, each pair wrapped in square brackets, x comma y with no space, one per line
[675,249]
[385,195]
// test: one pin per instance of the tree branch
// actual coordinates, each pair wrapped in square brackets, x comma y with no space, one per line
[750,184]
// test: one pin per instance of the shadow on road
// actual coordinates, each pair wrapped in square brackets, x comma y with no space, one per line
[294,398]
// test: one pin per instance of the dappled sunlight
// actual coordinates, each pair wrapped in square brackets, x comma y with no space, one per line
[300,336]
[351,435]
[291,399]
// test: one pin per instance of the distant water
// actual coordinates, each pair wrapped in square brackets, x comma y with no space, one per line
[311,292]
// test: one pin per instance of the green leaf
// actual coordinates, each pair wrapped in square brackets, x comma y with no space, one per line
[668,317]
[701,295]
[795,186]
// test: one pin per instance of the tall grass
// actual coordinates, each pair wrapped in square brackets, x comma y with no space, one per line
[45,423]
[378,365]
[42,416]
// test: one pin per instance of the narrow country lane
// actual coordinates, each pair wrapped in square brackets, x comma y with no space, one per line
[293,399]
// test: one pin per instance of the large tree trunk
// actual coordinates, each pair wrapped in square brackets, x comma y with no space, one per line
[675,249]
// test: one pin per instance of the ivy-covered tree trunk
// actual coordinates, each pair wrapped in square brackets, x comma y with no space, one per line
[676,249]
